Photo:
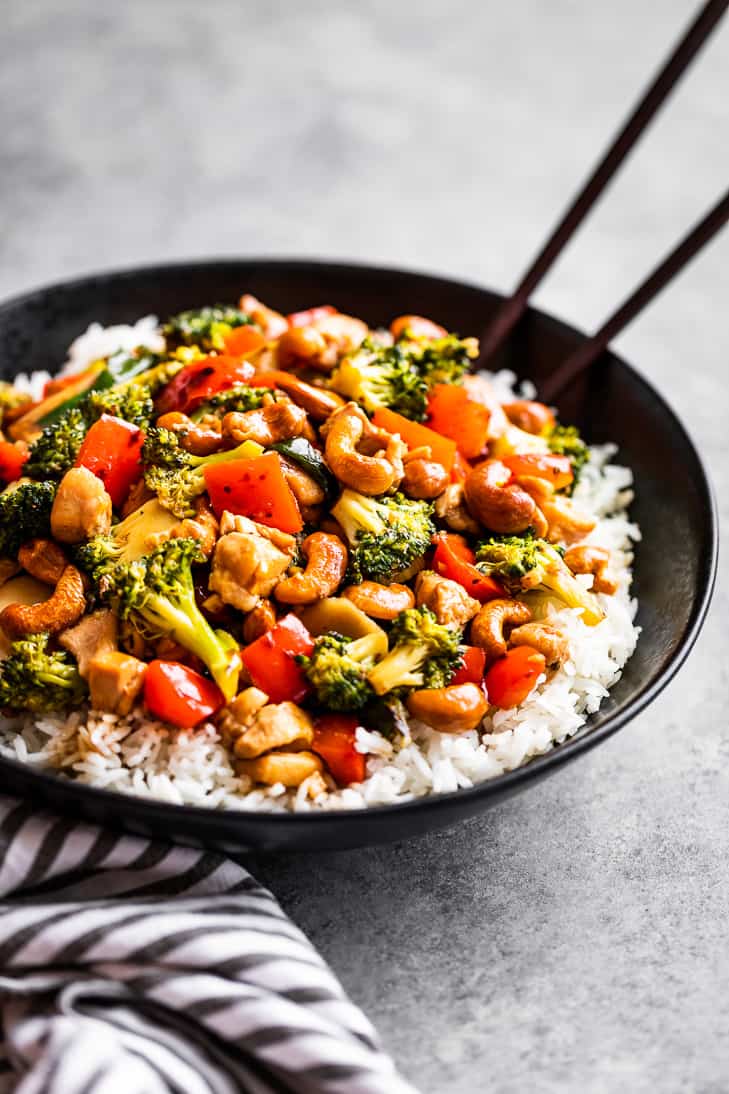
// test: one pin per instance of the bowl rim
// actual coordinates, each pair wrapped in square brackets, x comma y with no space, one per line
[153,809]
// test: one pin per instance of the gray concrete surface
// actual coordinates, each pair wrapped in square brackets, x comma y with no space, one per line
[576,938]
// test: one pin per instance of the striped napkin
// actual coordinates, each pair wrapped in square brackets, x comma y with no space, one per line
[135,966]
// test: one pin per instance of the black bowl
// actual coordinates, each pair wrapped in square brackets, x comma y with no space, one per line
[613,403]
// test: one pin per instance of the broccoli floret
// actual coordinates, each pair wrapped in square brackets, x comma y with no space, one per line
[36,679]
[382,376]
[161,370]
[127,540]
[176,476]
[565,440]
[423,654]
[11,399]
[56,449]
[445,360]
[523,563]
[204,327]
[25,513]
[386,534]
[337,668]
[240,398]
[131,402]
[156,594]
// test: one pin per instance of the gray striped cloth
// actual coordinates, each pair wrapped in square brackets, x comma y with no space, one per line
[137,967]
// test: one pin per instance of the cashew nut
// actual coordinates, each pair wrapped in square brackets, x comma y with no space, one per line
[44,559]
[321,344]
[317,402]
[259,621]
[456,709]
[197,439]
[595,561]
[325,569]
[64,607]
[546,638]
[288,768]
[271,322]
[272,422]
[500,504]
[529,415]
[424,477]
[380,601]
[487,628]
[417,326]
[361,456]
[81,508]
[447,599]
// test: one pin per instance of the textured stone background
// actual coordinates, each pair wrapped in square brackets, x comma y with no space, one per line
[575,939]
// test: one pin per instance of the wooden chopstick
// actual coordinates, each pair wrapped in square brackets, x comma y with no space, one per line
[636,124]
[679,257]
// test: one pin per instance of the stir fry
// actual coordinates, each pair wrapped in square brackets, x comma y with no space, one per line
[293,527]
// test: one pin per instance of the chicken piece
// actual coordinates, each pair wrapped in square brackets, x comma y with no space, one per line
[233,522]
[251,727]
[451,603]
[450,507]
[246,567]
[81,508]
[288,768]
[306,490]
[138,496]
[95,636]
[279,421]
[260,621]
[115,680]
[203,527]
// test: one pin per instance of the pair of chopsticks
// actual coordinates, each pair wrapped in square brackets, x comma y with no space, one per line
[643,113]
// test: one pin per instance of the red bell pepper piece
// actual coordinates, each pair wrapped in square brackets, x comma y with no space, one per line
[310,316]
[556,470]
[454,559]
[512,677]
[244,340]
[271,660]
[194,384]
[415,435]
[453,413]
[179,695]
[334,741]
[255,488]
[112,449]
[472,669]
[12,459]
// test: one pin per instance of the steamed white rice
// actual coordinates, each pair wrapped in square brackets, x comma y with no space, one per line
[136,755]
